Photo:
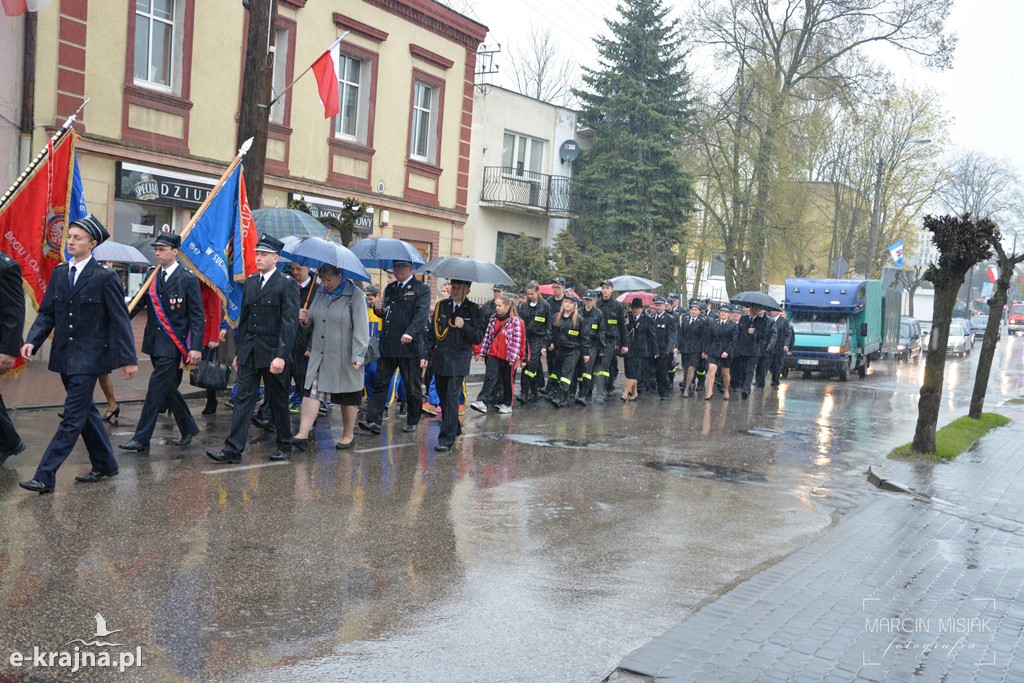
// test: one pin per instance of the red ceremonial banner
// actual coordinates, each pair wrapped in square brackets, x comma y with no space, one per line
[32,222]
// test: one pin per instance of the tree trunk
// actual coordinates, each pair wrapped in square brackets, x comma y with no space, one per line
[935,367]
[257,84]
[988,345]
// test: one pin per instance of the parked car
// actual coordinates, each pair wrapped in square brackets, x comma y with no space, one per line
[961,339]
[909,346]
[926,335]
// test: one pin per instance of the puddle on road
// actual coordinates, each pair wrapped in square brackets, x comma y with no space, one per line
[707,471]
[546,442]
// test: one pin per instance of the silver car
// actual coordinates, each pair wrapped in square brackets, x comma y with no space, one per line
[961,340]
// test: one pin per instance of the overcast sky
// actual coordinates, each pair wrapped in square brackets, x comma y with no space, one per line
[982,93]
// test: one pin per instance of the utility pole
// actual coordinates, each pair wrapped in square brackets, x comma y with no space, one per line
[876,211]
[257,84]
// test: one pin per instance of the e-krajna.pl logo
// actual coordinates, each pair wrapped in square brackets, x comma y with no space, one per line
[84,655]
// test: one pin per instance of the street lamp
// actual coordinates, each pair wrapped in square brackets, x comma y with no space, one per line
[876,206]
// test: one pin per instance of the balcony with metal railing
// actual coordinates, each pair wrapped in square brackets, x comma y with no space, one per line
[512,188]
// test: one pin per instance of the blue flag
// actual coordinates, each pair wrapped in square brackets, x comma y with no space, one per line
[218,242]
[896,252]
[76,204]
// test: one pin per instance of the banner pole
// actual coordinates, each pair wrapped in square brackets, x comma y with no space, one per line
[61,132]
[195,218]
[295,80]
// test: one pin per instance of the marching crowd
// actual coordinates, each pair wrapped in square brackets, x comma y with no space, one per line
[339,343]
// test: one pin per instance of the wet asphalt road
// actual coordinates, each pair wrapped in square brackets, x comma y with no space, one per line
[548,546]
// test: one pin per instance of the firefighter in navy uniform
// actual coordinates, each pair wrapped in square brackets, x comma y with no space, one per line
[536,314]
[755,330]
[266,333]
[693,330]
[784,338]
[607,367]
[593,344]
[84,308]
[12,324]
[640,349]
[174,334]
[667,332]
[457,324]
[405,311]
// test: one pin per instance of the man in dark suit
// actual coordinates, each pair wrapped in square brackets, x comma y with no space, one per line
[12,324]
[174,334]
[667,333]
[84,308]
[266,332]
[457,325]
[404,310]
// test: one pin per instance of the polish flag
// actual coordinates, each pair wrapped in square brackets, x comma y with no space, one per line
[325,68]
[15,8]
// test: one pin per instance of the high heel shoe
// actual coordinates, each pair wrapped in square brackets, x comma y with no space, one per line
[300,443]
[624,398]
[111,415]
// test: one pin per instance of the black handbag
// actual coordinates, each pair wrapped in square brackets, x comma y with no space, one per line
[210,374]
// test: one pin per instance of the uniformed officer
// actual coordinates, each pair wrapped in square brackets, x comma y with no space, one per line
[266,332]
[607,367]
[641,343]
[405,311]
[456,326]
[693,330]
[565,346]
[593,344]
[555,307]
[12,324]
[175,325]
[84,308]
[667,335]
[487,310]
[784,337]
[719,349]
[754,332]
[536,314]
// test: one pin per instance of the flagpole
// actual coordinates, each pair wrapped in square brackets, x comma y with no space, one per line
[61,132]
[308,69]
[195,218]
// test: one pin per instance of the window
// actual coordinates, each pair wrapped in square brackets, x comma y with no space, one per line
[281,52]
[522,153]
[157,44]
[423,145]
[351,122]
[505,239]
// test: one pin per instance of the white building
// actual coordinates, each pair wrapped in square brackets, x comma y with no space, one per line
[522,153]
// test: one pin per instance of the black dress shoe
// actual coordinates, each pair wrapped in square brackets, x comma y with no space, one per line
[345,446]
[409,428]
[442,448]
[134,446]
[265,425]
[371,427]
[36,486]
[279,455]
[11,453]
[95,475]
[187,439]
[225,457]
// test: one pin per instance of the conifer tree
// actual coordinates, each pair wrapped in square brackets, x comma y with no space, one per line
[635,193]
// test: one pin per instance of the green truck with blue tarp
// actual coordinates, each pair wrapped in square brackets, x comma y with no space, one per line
[840,326]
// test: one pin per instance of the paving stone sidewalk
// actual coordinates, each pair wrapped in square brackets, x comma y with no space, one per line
[905,587]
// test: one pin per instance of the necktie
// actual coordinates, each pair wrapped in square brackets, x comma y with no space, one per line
[72,276]
[161,280]
[263,280]
[455,309]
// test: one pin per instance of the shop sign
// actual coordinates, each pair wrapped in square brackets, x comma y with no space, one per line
[159,186]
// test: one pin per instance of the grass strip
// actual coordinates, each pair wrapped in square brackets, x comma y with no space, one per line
[954,438]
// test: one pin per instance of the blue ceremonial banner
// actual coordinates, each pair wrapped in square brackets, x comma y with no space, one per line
[76,203]
[217,245]
[896,252]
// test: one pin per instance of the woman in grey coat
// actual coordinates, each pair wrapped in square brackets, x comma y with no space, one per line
[339,338]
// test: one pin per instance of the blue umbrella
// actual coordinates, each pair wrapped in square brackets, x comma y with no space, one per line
[382,252]
[315,251]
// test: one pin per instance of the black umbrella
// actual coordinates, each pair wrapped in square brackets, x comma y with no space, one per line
[756,299]
[465,268]
[281,223]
